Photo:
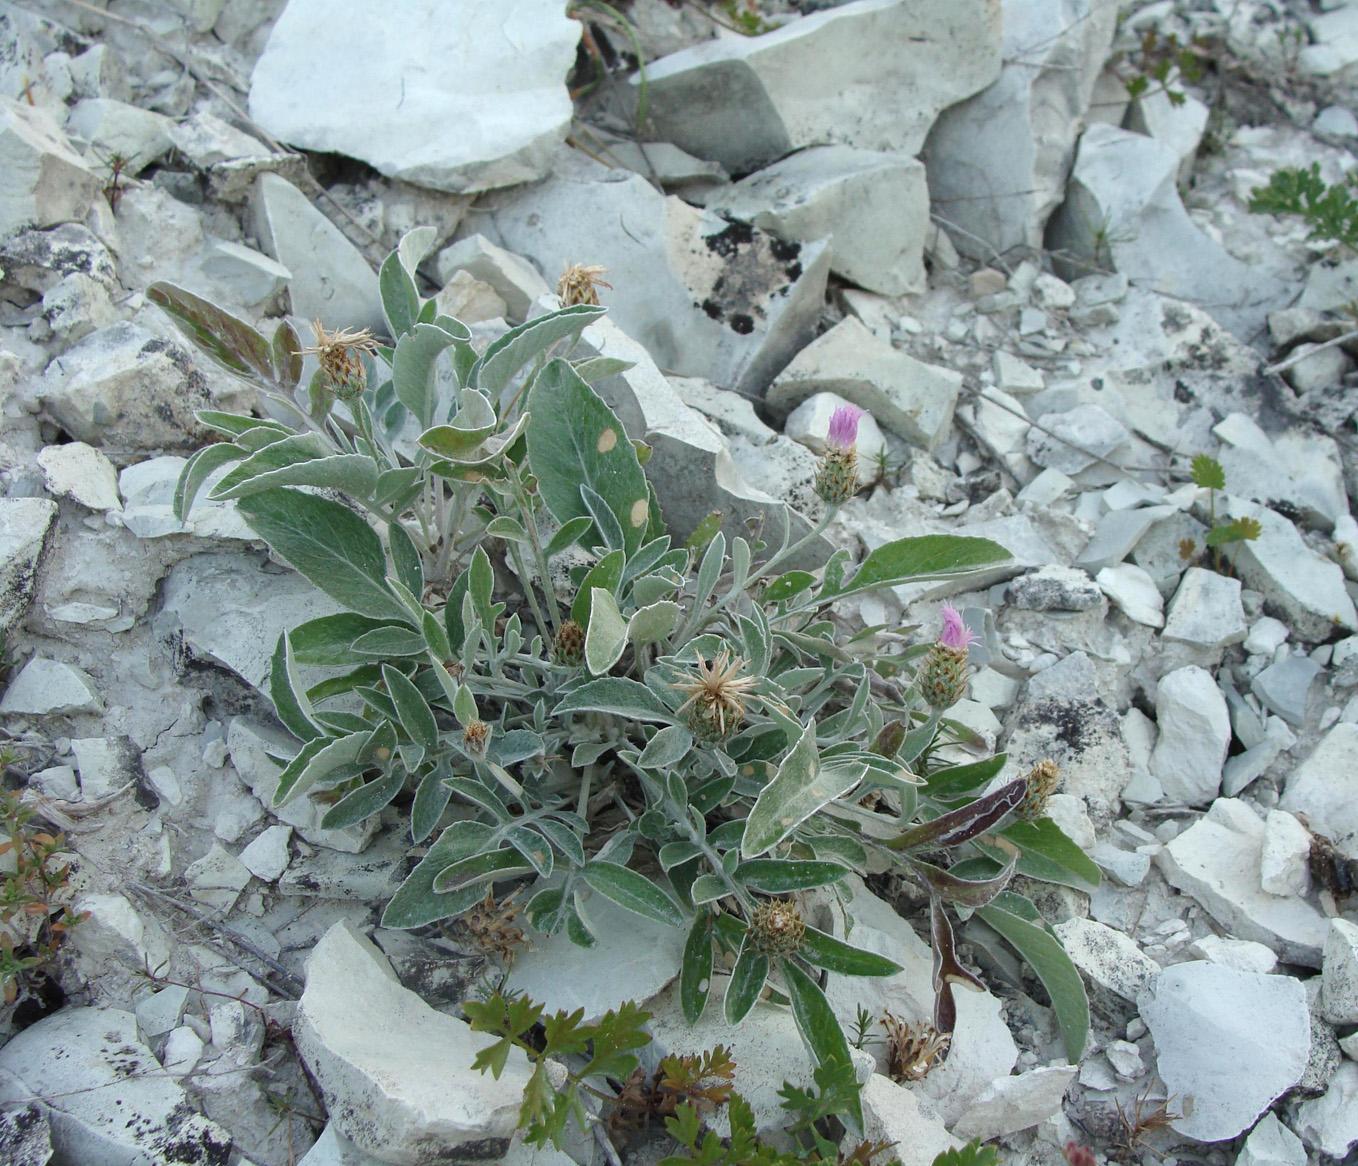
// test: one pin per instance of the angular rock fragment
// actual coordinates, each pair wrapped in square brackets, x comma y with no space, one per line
[105,1095]
[704,296]
[1217,862]
[1228,1044]
[46,181]
[1324,788]
[872,74]
[50,687]
[1195,733]
[24,525]
[1122,210]
[460,98]
[912,399]
[875,205]
[331,281]
[998,161]
[396,1074]
[123,388]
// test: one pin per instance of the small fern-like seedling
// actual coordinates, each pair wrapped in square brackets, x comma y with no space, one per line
[1331,212]
[1208,474]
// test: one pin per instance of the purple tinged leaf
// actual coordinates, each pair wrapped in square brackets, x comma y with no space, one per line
[968,822]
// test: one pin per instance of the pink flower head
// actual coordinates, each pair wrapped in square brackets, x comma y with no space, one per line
[955,633]
[844,427]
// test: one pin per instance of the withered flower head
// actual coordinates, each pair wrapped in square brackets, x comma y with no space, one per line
[569,645]
[776,928]
[340,359]
[912,1049]
[578,283]
[475,736]
[716,696]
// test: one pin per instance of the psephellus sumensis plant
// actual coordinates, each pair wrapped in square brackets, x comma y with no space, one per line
[688,730]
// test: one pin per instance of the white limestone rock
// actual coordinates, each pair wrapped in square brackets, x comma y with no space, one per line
[1178,124]
[106,765]
[1306,588]
[1330,1123]
[1324,788]
[1298,467]
[1117,534]
[1244,955]
[723,300]
[1072,441]
[267,856]
[466,298]
[634,958]
[115,934]
[110,1100]
[1285,687]
[873,206]
[872,74]
[50,688]
[1206,613]
[1339,974]
[108,128]
[1134,593]
[1228,1044]
[125,388]
[239,276]
[514,279]
[459,97]
[998,161]
[1010,1104]
[1195,733]
[230,613]
[1271,1144]
[1122,209]
[1217,862]
[80,471]
[913,400]
[46,181]
[331,281]
[1284,861]
[1110,959]
[394,1073]
[892,1113]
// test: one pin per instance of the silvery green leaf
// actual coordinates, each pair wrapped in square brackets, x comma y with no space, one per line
[568,534]
[507,527]
[668,747]
[520,346]
[746,983]
[301,460]
[364,802]
[606,573]
[634,891]
[575,439]
[234,344]
[201,466]
[929,556]
[802,786]
[651,588]
[754,635]
[318,758]
[329,544]
[416,717]
[464,706]
[405,559]
[606,636]
[708,888]
[652,623]
[598,368]
[395,486]
[618,695]
[473,422]
[416,903]
[673,853]
[604,519]
[288,694]
[740,564]
[709,570]
[414,370]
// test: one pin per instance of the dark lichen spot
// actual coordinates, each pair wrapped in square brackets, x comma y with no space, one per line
[728,243]
[742,323]
[712,308]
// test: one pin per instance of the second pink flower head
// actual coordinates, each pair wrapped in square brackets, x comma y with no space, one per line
[843,433]
[955,633]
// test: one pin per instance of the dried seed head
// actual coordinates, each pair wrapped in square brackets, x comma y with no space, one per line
[492,929]
[475,737]
[776,928]
[912,1049]
[1042,780]
[578,283]
[716,697]
[341,360]
[569,646]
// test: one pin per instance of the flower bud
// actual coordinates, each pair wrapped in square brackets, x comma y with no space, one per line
[340,355]
[943,675]
[569,646]
[776,929]
[475,737]
[1043,780]
[837,475]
